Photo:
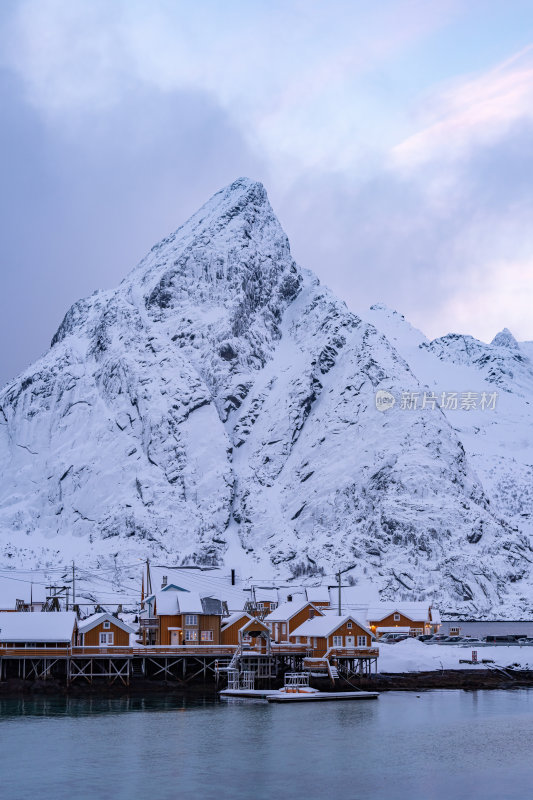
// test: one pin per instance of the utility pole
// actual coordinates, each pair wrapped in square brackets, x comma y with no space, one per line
[339,575]
[73,584]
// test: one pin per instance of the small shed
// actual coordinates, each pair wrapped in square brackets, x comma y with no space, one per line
[39,629]
[322,633]
[104,630]
[288,616]
[243,628]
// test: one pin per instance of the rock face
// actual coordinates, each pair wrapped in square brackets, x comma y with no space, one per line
[219,407]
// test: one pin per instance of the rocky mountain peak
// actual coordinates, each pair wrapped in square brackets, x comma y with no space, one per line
[505,339]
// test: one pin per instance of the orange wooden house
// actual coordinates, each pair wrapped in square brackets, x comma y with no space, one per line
[330,632]
[418,618]
[289,616]
[103,630]
[244,629]
[184,618]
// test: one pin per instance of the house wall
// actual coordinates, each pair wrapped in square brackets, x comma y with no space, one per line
[230,635]
[291,624]
[92,638]
[320,644]
[206,622]
[404,622]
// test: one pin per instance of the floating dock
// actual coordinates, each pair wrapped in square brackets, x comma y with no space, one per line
[277,696]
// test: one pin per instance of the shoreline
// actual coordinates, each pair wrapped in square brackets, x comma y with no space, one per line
[467,680]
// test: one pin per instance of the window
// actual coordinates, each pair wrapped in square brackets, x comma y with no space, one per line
[454,631]
[206,636]
[106,639]
[107,624]
[191,619]
[273,606]
[396,618]
[260,606]
[349,626]
[337,641]
[191,636]
[283,627]
[361,641]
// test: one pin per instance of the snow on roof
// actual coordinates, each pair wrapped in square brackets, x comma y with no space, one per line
[435,616]
[317,594]
[50,626]
[266,595]
[235,618]
[414,611]
[286,611]
[325,625]
[91,622]
[206,583]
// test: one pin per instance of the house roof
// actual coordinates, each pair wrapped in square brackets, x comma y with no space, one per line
[204,582]
[171,601]
[286,611]
[317,594]
[48,626]
[263,595]
[233,618]
[326,625]
[94,620]
[414,611]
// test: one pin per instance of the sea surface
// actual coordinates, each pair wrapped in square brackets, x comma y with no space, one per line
[437,745]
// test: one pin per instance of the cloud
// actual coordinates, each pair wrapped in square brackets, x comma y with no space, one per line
[289,74]
[476,112]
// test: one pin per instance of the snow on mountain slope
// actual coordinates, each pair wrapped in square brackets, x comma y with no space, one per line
[219,406]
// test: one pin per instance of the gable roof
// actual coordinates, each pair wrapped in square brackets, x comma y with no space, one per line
[317,594]
[96,619]
[326,625]
[37,626]
[233,618]
[414,611]
[286,611]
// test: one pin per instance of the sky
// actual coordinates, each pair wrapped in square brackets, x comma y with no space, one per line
[394,139]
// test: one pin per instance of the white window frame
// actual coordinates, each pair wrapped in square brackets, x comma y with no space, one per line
[396,617]
[106,639]
[337,641]
[349,625]
[206,636]
[283,627]
[191,619]
[107,624]
[362,641]
[191,636]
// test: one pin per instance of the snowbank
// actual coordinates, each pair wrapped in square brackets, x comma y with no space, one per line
[414,656]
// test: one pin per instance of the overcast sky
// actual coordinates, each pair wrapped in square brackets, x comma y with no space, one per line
[395,139]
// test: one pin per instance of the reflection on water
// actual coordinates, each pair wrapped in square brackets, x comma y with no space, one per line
[432,746]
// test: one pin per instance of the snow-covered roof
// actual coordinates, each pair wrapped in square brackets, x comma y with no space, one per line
[49,626]
[266,595]
[414,611]
[286,611]
[206,583]
[235,618]
[326,625]
[317,594]
[94,620]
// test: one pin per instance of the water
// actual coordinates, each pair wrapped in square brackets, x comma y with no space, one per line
[432,746]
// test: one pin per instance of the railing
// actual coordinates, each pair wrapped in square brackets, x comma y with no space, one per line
[35,652]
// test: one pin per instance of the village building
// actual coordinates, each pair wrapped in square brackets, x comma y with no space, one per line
[289,616]
[244,630]
[318,596]
[19,629]
[177,617]
[262,602]
[415,618]
[103,630]
[330,634]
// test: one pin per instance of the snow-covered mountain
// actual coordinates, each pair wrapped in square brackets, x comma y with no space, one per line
[220,407]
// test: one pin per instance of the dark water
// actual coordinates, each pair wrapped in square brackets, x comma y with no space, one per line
[436,746]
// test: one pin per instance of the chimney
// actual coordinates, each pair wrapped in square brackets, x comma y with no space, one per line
[165,580]
[233,577]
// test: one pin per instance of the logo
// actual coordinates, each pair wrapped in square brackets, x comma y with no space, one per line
[384,400]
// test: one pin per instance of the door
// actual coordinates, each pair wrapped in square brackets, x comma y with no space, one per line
[350,641]
[174,637]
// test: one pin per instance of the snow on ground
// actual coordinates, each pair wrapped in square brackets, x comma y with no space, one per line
[414,656]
